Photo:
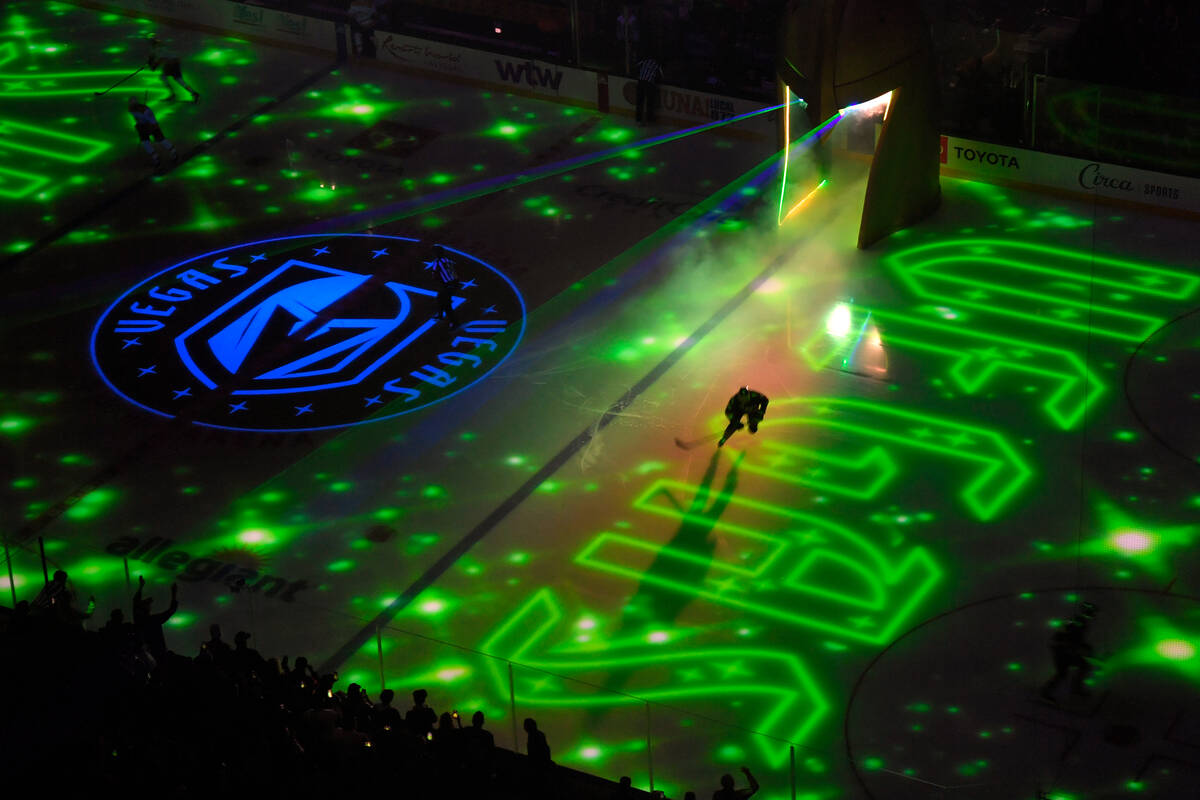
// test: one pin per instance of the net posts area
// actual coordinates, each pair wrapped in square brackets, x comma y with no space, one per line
[250,375]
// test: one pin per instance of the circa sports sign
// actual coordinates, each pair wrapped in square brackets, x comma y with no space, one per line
[305,333]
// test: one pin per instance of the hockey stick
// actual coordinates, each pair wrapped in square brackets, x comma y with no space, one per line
[695,442]
[118,83]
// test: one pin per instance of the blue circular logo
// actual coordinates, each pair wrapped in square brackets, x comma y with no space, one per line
[305,333]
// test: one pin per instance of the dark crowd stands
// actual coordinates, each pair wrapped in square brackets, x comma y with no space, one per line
[114,710]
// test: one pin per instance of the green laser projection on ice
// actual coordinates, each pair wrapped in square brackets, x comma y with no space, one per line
[978,359]
[1044,285]
[793,567]
[779,696]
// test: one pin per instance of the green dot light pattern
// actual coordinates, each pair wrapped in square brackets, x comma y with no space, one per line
[850,537]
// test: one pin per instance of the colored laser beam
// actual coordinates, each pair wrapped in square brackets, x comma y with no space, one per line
[787,138]
[502,182]
[800,205]
[812,136]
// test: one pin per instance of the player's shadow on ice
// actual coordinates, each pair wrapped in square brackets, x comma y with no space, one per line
[687,556]
[684,560]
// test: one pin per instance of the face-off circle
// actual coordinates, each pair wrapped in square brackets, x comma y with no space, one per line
[308,332]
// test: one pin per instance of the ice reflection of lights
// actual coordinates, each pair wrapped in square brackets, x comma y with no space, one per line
[771,285]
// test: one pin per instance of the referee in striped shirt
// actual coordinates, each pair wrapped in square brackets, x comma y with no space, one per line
[649,72]
[443,267]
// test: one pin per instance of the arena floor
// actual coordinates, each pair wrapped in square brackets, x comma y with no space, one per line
[975,425]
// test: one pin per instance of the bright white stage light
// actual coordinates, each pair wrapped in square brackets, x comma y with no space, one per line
[838,322]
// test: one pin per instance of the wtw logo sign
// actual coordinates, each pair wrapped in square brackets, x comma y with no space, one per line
[308,332]
[530,73]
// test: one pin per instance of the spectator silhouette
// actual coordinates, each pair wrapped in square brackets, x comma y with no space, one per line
[420,718]
[149,625]
[356,709]
[538,763]
[245,659]
[478,746]
[689,796]
[446,751]
[300,672]
[447,727]
[301,682]
[195,729]
[272,676]
[625,787]
[217,649]
[385,719]
[117,634]
[56,601]
[19,621]
[727,792]
[536,745]
[53,593]
[477,738]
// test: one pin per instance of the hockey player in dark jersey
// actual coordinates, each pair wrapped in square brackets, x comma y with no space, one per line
[748,403]
[162,59]
[146,125]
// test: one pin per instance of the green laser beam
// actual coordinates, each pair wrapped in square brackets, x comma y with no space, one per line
[493,185]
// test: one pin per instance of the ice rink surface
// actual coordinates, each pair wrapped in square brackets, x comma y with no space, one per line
[974,425]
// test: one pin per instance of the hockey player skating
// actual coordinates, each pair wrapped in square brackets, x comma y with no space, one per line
[162,59]
[745,403]
[146,125]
